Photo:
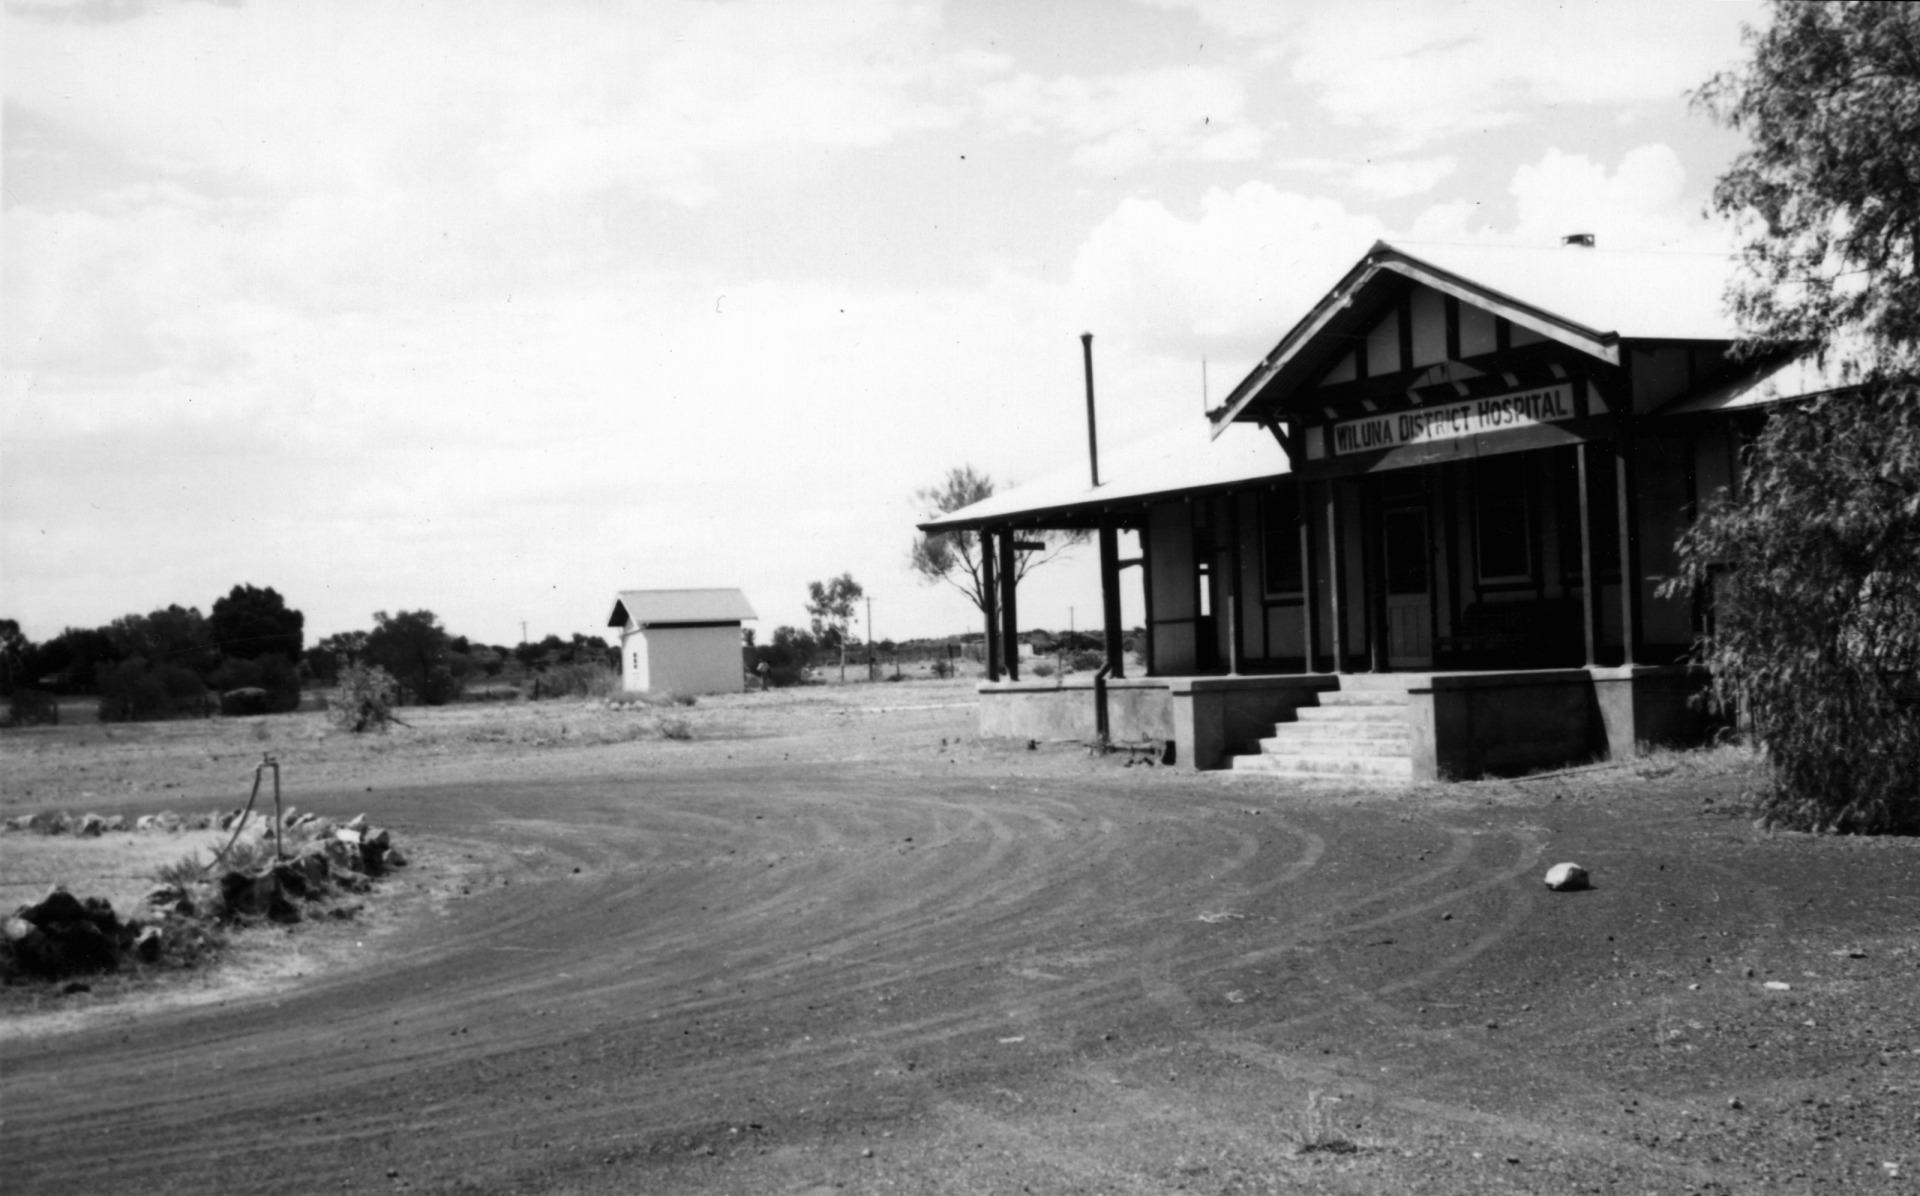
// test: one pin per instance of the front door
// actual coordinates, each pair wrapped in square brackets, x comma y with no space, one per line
[1409,582]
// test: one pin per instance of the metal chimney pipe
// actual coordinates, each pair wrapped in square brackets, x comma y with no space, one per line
[1093,436]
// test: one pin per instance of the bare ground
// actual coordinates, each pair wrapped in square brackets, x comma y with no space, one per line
[815,949]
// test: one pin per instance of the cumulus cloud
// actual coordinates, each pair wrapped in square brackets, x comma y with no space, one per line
[1238,272]
[1642,203]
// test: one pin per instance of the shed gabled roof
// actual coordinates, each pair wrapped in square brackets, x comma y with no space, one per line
[1587,298]
[656,608]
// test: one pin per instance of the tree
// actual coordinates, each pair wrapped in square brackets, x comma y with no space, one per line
[174,636]
[786,658]
[15,650]
[416,651]
[1815,570]
[70,661]
[831,606]
[954,557]
[1828,195]
[250,623]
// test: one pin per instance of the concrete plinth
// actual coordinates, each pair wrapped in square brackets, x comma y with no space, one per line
[1138,709]
[1505,724]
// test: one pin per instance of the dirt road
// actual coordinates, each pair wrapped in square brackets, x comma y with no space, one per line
[864,961]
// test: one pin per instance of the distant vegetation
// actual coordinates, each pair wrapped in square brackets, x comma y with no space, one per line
[248,655]
[164,664]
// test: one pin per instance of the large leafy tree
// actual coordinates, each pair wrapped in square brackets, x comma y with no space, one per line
[417,652]
[251,622]
[1816,567]
[955,557]
[176,635]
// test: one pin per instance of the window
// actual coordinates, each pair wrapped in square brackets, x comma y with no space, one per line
[1503,518]
[1280,548]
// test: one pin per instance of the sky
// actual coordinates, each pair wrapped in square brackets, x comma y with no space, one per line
[495,309]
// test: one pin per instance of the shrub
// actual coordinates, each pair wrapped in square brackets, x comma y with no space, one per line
[365,699]
[134,691]
[1817,624]
[676,728]
[31,708]
[583,679]
[1086,661]
[183,873]
[1041,669]
[277,681]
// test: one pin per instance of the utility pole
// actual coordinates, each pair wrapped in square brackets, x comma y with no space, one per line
[870,662]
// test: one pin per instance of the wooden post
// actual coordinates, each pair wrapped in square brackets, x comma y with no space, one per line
[1588,608]
[1373,543]
[1110,597]
[990,587]
[1309,581]
[1629,507]
[1234,643]
[1337,579]
[1009,614]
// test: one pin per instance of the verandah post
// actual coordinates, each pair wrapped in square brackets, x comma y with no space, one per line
[1589,631]
[1337,579]
[1309,580]
[1373,546]
[1110,597]
[990,591]
[1629,507]
[1009,614]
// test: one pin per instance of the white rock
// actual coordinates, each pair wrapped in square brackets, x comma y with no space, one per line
[1565,878]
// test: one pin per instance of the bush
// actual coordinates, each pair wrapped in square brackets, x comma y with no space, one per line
[134,691]
[1817,625]
[273,675]
[32,708]
[365,699]
[1041,669]
[676,728]
[1086,661]
[786,658]
[584,679]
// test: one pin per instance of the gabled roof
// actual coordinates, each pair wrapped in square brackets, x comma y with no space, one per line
[1587,298]
[1179,459]
[656,608]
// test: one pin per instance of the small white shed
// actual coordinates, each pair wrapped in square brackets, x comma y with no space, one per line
[680,641]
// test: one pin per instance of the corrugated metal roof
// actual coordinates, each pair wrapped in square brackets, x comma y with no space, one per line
[1796,378]
[1635,295]
[651,608]
[1177,459]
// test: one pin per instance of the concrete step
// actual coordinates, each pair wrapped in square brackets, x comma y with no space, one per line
[1383,682]
[1308,745]
[1365,697]
[1355,712]
[1335,767]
